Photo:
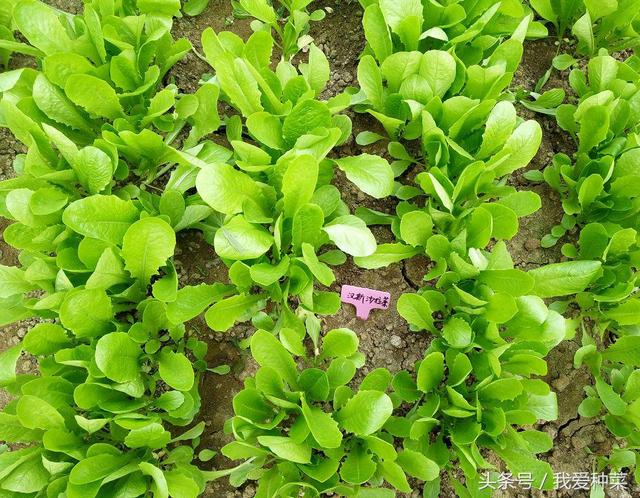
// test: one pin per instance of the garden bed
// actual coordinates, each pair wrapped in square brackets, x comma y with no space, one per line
[386,339]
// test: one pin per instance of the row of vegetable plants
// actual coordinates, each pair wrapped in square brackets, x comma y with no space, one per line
[474,387]
[93,236]
[117,369]
[598,187]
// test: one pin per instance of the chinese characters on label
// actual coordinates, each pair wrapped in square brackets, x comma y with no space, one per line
[364,299]
[563,480]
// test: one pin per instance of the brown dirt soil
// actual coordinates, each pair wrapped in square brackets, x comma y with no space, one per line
[385,338]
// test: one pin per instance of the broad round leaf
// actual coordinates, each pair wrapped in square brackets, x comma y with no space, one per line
[102,217]
[372,174]
[117,357]
[365,413]
[146,247]
[238,240]
[225,189]
[351,235]
[176,370]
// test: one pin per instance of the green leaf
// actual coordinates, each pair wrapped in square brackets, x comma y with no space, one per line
[479,228]
[195,7]
[13,281]
[385,255]
[267,129]
[583,31]
[431,372]
[590,189]
[8,361]
[520,148]
[299,183]
[322,426]
[500,124]
[73,312]
[457,333]
[563,279]
[416,310]
[225,189]
[340,343]
[372,174]
[320,270]
[611,399]
[52,102]
[544,407]
[35,413]
[287,449]
[102,217]
[365,413]
[146,246]
[439,69]
[47,200]
[351,235]
[522,203]
[176,370]
[268,351]
[627,313]
[416,227]
[265,274]
[152,436]
[41,25]
[394,475]
[625,350]
[502,389]
[509,281]
[377,32]
[94,95]
[240,240]
[223,314]
[206,119]
[117,356]
[370,80]
[505,221]
[358,467]
[250,404]
[375,493]
[193,300]
[260,9]
[405,19]
[93,168]
[160,487]
[417,465]
[376,380]
[316,72]
[304,117]
[45,338]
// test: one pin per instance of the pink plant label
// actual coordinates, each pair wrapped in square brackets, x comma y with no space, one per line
[364,299]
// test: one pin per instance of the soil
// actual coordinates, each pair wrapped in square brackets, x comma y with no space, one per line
[385,338]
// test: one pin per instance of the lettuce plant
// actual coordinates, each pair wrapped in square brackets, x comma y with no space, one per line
[410,92]
[115,51]
[103,415]
[594,24]
[471,29]
[599,198]
[307,430]
[270,17]
[94,419]
[614,396]
[598,185]
[278,219]
[111,379]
